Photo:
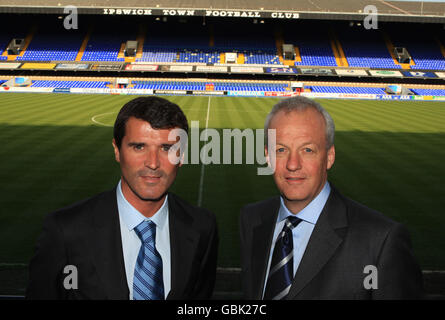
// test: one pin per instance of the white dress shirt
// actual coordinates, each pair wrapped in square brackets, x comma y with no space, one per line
[129,218]
[303,231]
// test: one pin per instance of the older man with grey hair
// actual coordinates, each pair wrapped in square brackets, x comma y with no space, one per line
[311,242]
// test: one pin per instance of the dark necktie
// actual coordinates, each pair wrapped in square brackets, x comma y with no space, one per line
[281,271]
[148,282]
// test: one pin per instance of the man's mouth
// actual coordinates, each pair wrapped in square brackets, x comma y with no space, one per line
[294,179]
[151,178]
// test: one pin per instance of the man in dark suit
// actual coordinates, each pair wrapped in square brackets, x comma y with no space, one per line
[137,241]
[312,242]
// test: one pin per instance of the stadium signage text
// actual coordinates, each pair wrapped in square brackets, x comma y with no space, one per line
[133,12]
[207,13]
[243,14]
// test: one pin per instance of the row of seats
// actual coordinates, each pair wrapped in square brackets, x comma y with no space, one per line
[429,92]
[217,86]
[220,86]
[197,56]
[68,84]
[356,90]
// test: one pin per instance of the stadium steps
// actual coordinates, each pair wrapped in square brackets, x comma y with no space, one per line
[83,46]
[222,57]
[390,47]
[240,59]
[341,52]
[139,51]
[279,44]
[121,53]
[28,40]
[337,49]
[441,46]
[141,39]
[297,54]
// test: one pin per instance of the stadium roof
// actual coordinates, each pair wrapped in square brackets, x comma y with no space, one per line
[409,11]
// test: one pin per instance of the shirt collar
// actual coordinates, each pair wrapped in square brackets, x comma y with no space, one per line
[312,211]
[132,217]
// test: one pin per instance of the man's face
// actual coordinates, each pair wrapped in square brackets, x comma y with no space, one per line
[146,170]
[302,160]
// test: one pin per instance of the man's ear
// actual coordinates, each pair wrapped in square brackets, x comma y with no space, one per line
[331,157]
[116,151]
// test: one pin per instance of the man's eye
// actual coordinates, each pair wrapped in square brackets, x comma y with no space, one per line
[280,150]
[166,148]
[308,150]
[138,147]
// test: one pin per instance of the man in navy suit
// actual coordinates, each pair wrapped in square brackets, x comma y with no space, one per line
[311,242]
[98,236]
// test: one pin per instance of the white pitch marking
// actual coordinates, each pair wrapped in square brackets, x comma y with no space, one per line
[100,123]
[201,180]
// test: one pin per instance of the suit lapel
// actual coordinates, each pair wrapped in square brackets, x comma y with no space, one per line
[322,244]
[106,244]
[183,245]
[262,241]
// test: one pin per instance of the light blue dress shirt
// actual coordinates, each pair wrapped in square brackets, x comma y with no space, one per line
[301,233]
[129,218]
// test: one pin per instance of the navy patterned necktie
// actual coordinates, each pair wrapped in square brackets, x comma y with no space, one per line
[281,271]
[148,282]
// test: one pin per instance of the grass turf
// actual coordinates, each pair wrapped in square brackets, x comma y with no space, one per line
[389,156]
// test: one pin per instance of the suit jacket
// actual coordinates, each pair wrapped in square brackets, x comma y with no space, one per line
[87,235]
[347,237]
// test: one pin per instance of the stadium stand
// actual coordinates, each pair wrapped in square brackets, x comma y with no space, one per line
[314,45]
[162,45]
[53,43]
[104,45]
[424,48]
[9,32]
[317,43]
[365,48]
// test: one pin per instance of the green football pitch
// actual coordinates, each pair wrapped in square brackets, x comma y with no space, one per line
[56,149]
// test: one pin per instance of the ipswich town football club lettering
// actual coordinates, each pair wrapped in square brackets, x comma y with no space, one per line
[207,13]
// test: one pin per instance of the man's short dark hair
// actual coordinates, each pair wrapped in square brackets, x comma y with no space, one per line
[159,112]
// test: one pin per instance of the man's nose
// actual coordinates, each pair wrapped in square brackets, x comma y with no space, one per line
[293,162]
[152,159]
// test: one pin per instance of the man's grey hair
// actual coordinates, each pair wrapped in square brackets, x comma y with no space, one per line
[300,103]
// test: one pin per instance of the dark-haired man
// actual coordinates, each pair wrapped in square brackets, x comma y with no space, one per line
[137,241]
[311,242]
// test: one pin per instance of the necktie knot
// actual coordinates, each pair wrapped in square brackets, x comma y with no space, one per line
[292,222]
[146,231]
